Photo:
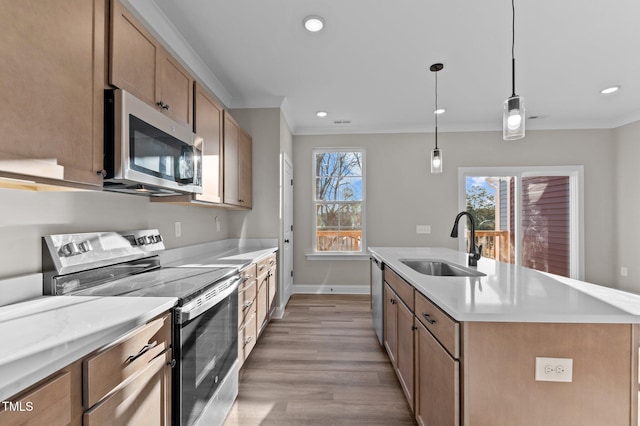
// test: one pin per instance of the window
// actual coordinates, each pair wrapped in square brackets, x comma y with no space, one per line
[339,203]
[530,216]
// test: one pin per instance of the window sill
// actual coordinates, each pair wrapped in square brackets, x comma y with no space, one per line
[336,256]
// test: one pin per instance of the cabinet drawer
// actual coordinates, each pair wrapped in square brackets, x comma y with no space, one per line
[130,355]
[249,273]
[247,336]
[246,300]
[265,264]
[144,400]
[443,327]
[400,286]
[49,403]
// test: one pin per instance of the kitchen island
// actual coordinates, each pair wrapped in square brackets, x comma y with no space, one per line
[512,346]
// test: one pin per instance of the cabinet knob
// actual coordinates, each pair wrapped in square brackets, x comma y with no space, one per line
[163,105]
[414,328]
[172,363]
[102,173]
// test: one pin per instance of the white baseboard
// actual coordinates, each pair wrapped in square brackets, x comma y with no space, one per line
[330,289]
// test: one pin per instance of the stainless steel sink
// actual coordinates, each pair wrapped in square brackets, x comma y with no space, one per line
[440,268]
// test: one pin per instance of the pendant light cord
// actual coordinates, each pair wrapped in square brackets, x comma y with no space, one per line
[436,110]
[513,44]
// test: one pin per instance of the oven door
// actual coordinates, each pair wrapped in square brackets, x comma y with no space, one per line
[208,352]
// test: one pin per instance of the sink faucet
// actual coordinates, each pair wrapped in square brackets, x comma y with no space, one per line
[474,255]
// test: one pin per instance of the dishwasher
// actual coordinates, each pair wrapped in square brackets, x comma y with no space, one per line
[377,299]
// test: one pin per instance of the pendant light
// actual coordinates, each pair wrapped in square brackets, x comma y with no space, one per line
[513,111]
[436,154]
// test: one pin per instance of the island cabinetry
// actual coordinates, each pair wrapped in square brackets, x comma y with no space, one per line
[140,65]
[399,330]
[437,375]
[238,163]
[129,382]
[247,328]
[52,68]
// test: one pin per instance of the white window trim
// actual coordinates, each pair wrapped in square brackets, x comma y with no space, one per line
[576,202]
[312,254]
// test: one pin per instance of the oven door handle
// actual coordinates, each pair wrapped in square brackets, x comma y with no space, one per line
[202,304]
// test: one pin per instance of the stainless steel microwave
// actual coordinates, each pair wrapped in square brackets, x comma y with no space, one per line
[146,152]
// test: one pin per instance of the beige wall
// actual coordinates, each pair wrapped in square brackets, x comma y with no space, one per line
[628,206]
[401,193]
[26,216]
[263,221]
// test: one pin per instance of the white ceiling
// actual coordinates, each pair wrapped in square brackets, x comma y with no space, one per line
[371,63]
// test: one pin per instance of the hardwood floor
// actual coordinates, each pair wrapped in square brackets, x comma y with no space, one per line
[320,365]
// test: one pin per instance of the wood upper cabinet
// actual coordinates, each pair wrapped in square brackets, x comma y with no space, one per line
[140,65]
[52,82]
[208,125]
[238,163]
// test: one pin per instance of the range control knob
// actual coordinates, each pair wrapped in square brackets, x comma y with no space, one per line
[85,246]
[142,241]
[69,249]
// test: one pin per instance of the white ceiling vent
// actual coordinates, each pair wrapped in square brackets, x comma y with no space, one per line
[342,122]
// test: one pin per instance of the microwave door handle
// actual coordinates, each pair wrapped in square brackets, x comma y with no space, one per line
[184,172]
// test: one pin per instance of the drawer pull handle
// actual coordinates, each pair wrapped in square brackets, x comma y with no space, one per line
[428,318]
[262,267]
[248,340]
[247,305]
[143,351]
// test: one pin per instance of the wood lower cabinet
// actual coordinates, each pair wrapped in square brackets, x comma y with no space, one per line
[140,65]
[55,401]
[255,300]
[52,82]
[437,379]
[238,164]
[399,341]
[129,382]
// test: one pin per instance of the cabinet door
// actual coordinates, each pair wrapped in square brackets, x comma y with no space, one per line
[391,324]
[231,171]
[144,400]
[262,301]
[245,164]
[174,91]
[52,82]
[437,382]
[133,55]
[273,283]
[404,356]
[207,123]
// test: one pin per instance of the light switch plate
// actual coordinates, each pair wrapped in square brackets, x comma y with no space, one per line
[423,229]
[554,369]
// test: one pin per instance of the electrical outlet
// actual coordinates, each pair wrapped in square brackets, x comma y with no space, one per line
[423,229]
[178,228]
[554,369]
[624,271]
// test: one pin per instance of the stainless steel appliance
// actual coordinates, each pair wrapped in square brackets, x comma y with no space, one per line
[377,297]
[205,330]
[146,152]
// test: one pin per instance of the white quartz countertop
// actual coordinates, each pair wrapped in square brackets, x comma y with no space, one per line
[43,335]
[219,255]
[510,293]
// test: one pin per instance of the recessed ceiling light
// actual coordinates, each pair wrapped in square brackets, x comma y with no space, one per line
[313,23]
[321,114]
[610,90]
[439,111]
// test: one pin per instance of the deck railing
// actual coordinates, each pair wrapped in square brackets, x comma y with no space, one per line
[343,240]
[495,244]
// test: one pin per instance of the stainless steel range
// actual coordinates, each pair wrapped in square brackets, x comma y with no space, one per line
[205,377]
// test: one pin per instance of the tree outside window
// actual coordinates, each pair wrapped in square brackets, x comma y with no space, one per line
[339,200]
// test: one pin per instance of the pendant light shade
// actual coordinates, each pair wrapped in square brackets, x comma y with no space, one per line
[436,154]
[513,112]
